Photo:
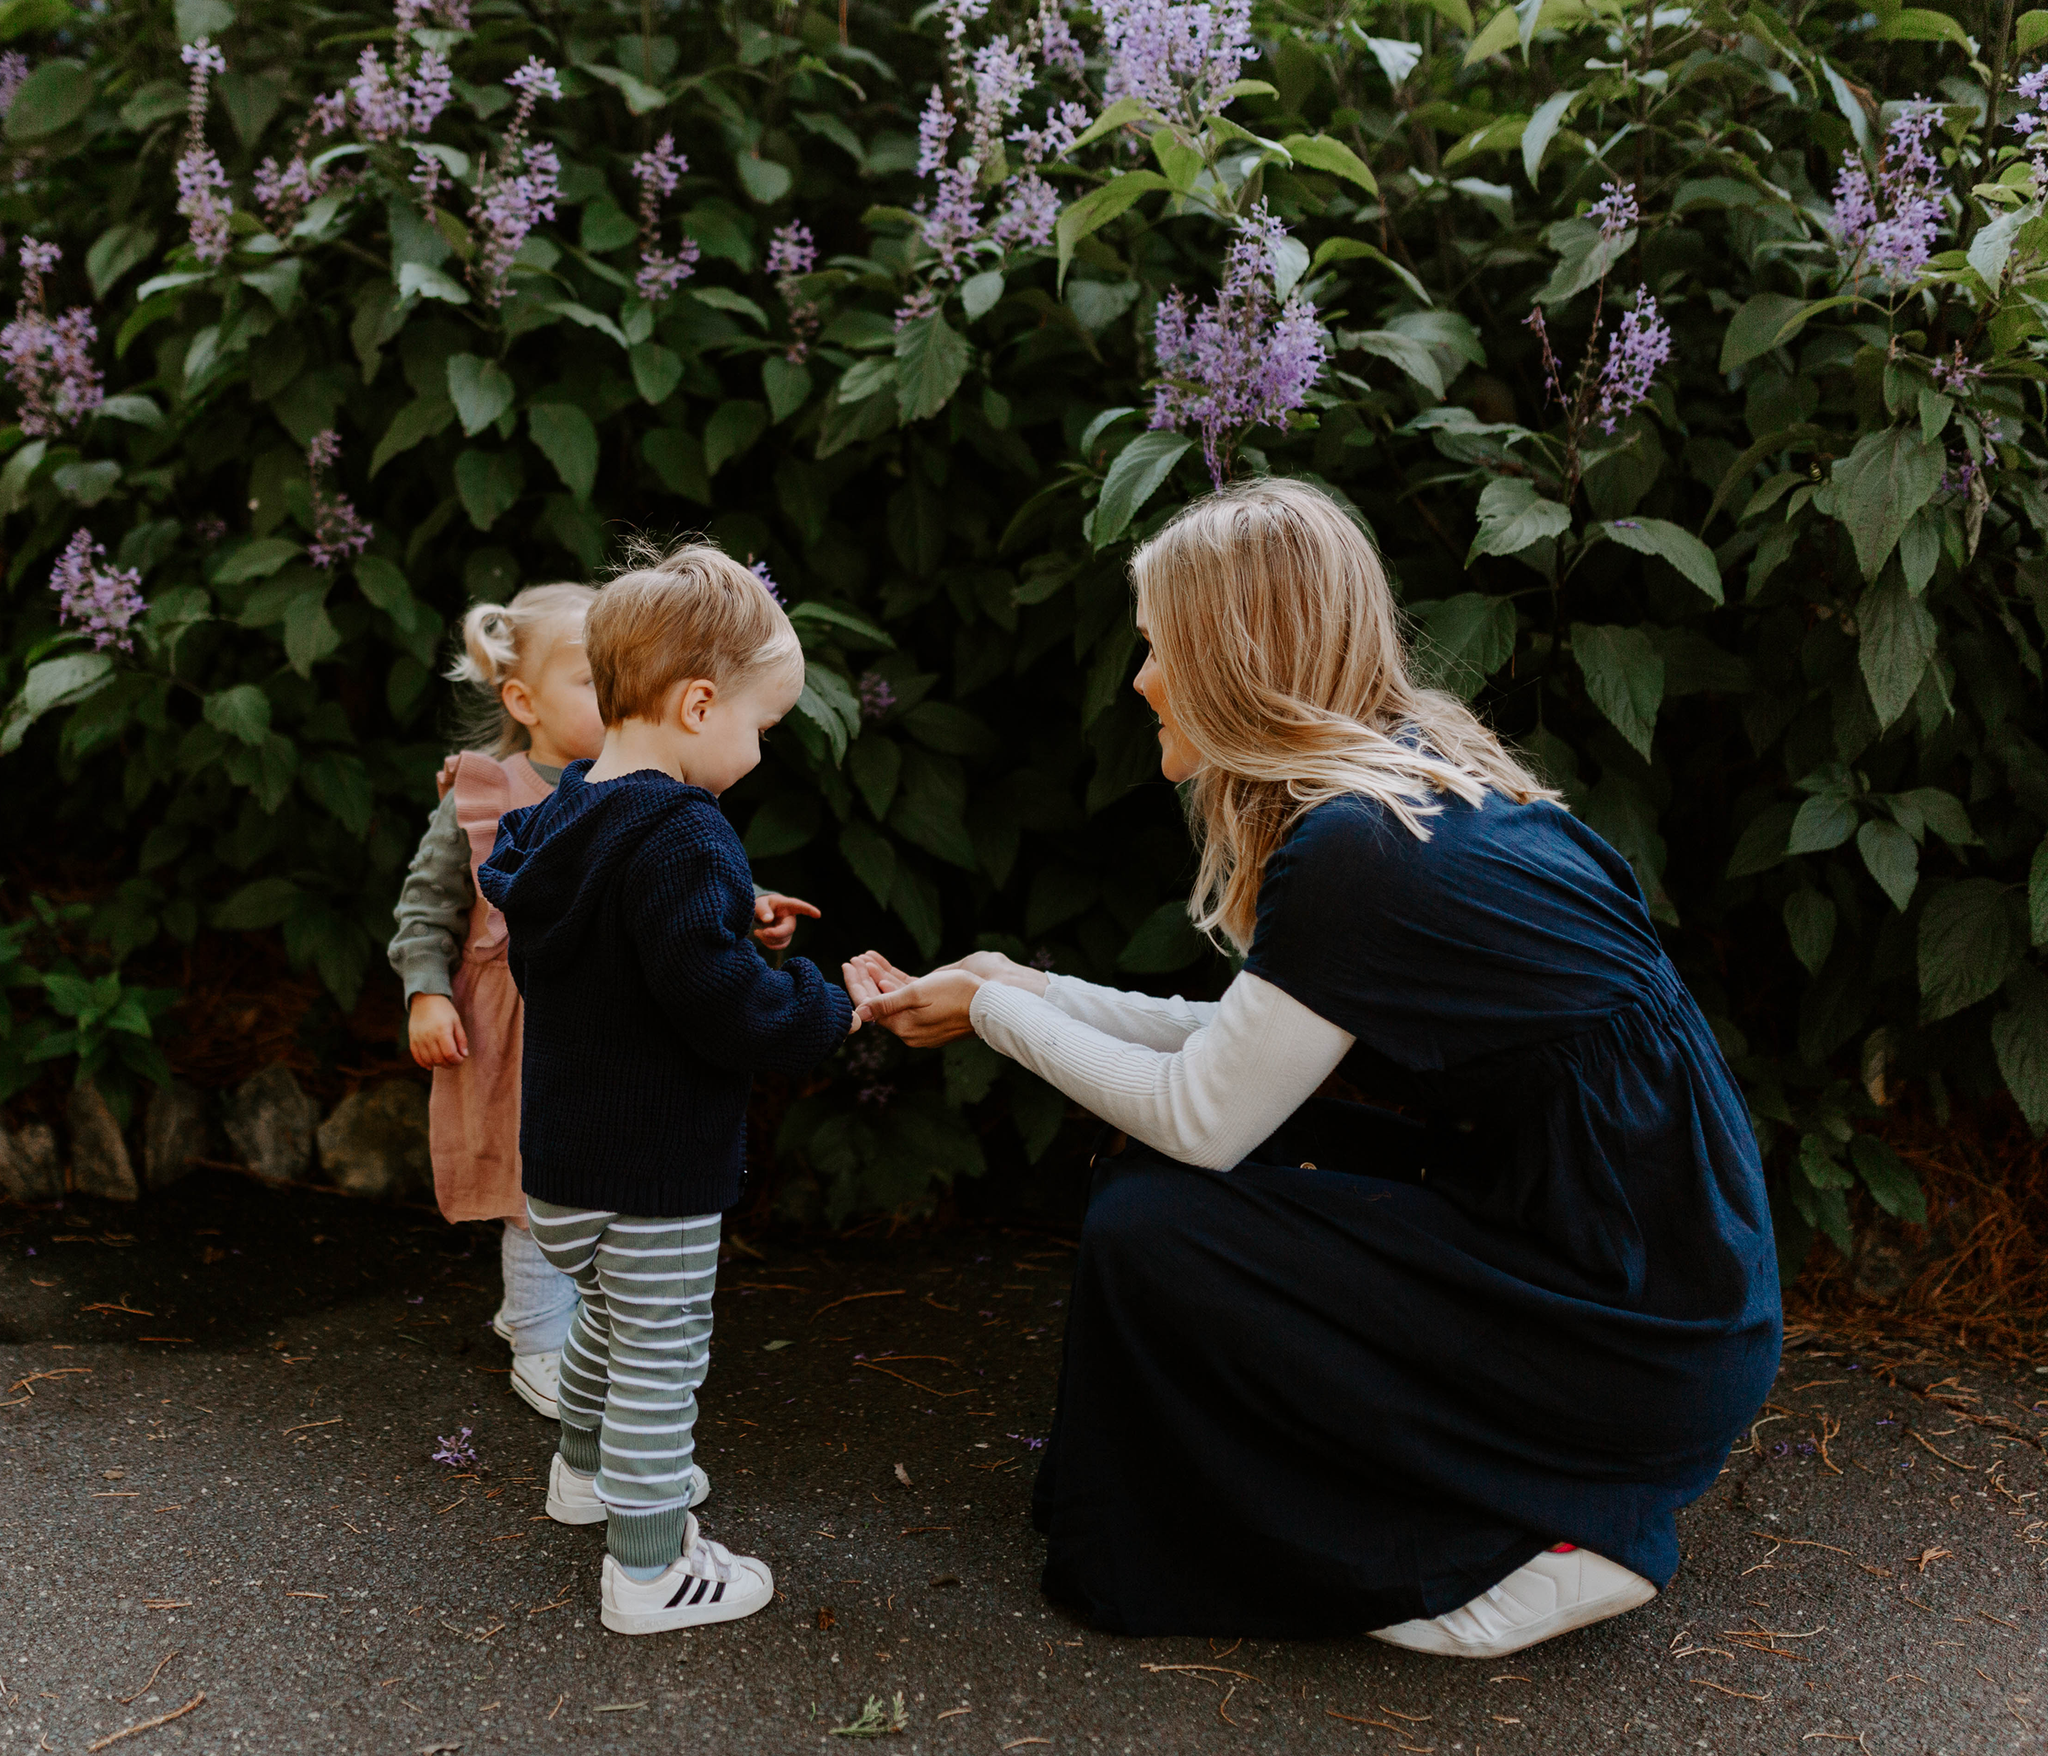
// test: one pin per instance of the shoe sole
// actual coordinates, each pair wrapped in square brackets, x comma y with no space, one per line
[545,1406]
[686,1616]
[1583,1615]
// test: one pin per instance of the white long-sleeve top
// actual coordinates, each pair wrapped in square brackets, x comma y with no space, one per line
[1200,1081]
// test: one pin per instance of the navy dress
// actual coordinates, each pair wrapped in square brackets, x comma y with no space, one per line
[1526,1295]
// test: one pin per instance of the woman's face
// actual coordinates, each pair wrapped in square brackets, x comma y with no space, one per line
[1178,758]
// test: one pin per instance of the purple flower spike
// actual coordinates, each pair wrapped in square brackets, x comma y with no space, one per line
[1634,352]
[457,1453]
[876,696]
[1244,361]
[340,532]
[99,600]
[49,364]
[1887,228]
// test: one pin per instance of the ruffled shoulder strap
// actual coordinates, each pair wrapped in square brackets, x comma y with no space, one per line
[484,791]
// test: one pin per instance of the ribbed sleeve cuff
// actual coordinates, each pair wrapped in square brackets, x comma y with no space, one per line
[424,973]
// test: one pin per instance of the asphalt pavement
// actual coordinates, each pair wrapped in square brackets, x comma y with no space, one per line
[222,1523]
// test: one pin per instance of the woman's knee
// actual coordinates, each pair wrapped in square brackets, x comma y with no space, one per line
[1142,1215]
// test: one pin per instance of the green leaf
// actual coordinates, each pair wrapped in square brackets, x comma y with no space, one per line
[414,424]
[1762,842]
[1766,321]
[1824,822]
[1320,153]
[872,855]
[1673,543]
[53,97]
[1097,208]
[1921,24]
[588,319]
[971,1069]
[1542,130]
[1891,858]
[1345,249]
[787,385]
[423,281]
[678,459]
[931,359]
[1897,637]
[309,633]
[202,18]
[1810,924]
[2019,1038]
[1891,1183]
[114,253]
[2030,31]
[732,431]
[1625,677]
[568,440]
[1586,255]
[242,712]
[765,180]
[931,809]
[784,823]
[1140,470]
[810,610]
[1405,351]
[980,293]
[1969,944]
[2037,894]
[57,682]
[23,18]
[255,906]
[1991,248]
[1496,35]
[915,898]
[1513,516]
[656,371]
[1463,640]
[1165,941]
[480,389]
[340,785]
[725,299]
[489,484]
[257,559]
[875,763]
[1120,114]
[1879,486]
[952,731]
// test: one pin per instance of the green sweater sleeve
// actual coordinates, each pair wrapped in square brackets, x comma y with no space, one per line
[434,907]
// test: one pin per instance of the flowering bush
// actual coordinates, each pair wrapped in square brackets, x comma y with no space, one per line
[1685,365]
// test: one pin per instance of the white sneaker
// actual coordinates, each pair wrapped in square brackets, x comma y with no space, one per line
[707,1584]
[1556,1592]
[499,1327]
[535,1380]
[572,1498]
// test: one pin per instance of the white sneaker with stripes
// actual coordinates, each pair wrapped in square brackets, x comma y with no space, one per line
[1561,1589]
[572,1499]
[708,1583]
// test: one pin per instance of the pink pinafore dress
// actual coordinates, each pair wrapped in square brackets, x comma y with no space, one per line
[474,1116]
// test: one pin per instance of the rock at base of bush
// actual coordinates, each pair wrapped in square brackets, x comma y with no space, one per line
[29,1167]
[375,1143]
[173,1133]
[270,1122]
[100,1164]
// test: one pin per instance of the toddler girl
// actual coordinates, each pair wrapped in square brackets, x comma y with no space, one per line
[532,712]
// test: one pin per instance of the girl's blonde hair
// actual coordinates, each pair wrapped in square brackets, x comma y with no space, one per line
[1280,644]
[501,642]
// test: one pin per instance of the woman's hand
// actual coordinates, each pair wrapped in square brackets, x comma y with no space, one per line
[925,1013]
[778,917]
[434,1032]
[993,966]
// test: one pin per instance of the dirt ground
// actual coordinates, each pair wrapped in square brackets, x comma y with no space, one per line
[222,1526]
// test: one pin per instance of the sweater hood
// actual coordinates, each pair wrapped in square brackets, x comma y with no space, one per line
[555,863]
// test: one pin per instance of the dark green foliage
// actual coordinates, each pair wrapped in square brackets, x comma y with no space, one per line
[1778,636]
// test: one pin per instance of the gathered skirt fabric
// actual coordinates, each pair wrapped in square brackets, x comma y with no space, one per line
[1300,1401]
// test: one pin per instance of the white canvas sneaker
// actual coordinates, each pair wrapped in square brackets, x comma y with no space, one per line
[499,1327]
[707,1584]
[572,1499]
[535,1379]
[1562,1589]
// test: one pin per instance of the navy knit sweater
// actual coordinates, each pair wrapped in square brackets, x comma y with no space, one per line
[648,1007]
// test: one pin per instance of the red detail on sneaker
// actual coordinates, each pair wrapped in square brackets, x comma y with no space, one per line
[1562,1548]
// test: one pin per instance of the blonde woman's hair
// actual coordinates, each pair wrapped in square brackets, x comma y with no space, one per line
[1280,644]
[672,617]
[501,642]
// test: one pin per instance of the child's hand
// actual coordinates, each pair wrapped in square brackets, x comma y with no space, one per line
[435,1032]
[778,917]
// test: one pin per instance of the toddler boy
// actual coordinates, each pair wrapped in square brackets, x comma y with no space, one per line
[648,1009]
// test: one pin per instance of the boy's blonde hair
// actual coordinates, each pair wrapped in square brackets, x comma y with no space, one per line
[692,612]
[1280,644]
[501,642]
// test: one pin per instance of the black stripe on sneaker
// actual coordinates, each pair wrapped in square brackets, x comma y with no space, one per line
[697,1597]
[718,1591]
[678,1598]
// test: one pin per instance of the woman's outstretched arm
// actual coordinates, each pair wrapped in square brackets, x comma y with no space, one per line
[1209,1102]
[1147,1019]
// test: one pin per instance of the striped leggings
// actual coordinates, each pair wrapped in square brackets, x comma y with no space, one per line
[635,1356]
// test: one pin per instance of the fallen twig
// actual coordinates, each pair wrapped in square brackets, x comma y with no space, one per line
[153,1675]
[890,1293]
[149,1725]
[1707,1683]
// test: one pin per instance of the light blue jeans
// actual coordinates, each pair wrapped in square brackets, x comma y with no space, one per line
[540,1301]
